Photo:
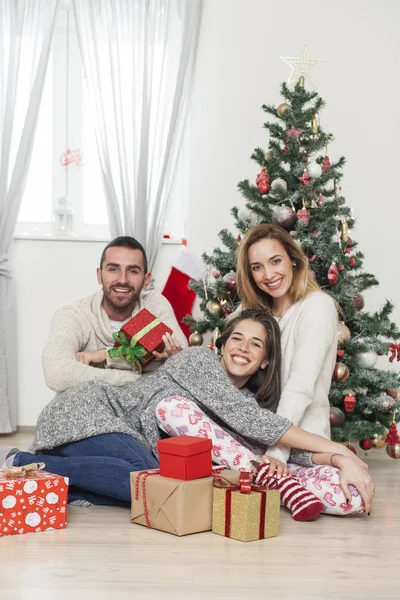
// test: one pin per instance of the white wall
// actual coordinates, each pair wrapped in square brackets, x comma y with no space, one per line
[238,70]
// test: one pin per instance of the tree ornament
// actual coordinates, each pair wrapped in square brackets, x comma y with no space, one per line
[333,274]
[340,353]
[314,170]
[283,110]
[344,334]
[341,372]
[392,393]
[341,267]
[321,200]
[262,182]
[230,280]
[249,216]
[379,441]
[393,441]
[352,261]
[305,178]
[349,403]
[366,444]
[284,216]
[293,131]
[366,360]
[279,182]
[315,124]
[304,139]
[325,164]
[195,339]
[336,417]
[238,239]
[344,231]
[216,274]
[358,302]
[302,66]
[214,307]
[386,403]
[350,447]
[304,215]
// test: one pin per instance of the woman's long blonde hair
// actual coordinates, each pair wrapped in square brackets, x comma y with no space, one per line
[250,294]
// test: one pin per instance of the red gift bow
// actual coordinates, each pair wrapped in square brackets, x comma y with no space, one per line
[142,477]
[394,349]
[245,487]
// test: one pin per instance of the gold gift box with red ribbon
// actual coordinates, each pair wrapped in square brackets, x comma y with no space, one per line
[245,512]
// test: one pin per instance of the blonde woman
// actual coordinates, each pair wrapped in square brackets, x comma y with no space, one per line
[273,274]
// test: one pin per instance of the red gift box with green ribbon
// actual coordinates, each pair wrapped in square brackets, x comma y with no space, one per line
[139,338]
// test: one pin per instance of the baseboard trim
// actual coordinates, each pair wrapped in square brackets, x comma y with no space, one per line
[26,429]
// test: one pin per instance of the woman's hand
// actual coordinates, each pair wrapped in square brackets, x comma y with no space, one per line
[353,471]
[276,467]
[172,346]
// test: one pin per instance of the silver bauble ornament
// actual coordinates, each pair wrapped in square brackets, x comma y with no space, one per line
[284,216]
[314,170]
[249,216]
[386,403]
[366,360]
[195,339]
[279,182]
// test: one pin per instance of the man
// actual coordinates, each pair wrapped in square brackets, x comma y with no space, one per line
[81,331]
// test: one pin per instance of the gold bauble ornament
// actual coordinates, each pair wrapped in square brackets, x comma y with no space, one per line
[283,109]
[341,372]
[344,334]
[379,441]
[195,339]
[214,307]
[393,450]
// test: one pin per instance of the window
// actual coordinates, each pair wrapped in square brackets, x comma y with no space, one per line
[65,134]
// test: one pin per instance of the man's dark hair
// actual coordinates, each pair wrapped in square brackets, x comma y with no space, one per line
[125,241]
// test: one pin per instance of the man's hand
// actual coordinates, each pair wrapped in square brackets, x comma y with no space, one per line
[172,346]
[92,357]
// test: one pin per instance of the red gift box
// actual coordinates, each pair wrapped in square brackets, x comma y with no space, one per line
[144,330]
[185,457]
[36,501]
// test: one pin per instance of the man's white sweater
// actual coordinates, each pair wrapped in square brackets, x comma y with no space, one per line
[309,345]
[83,325]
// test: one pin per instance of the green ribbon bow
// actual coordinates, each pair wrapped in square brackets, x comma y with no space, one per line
[133,354]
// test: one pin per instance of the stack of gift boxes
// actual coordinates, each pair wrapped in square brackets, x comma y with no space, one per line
[187,496]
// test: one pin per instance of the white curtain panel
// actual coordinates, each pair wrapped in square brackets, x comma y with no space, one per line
[26,32]
[138,57]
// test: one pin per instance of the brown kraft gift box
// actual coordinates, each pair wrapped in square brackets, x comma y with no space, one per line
[172,505]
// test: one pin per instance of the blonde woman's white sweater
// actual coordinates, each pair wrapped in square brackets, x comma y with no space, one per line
[309,345]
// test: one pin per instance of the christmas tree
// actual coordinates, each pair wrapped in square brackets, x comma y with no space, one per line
[298,187]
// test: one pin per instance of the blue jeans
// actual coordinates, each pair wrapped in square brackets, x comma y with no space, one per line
[98,467]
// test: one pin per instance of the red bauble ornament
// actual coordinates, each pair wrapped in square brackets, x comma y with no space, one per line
[333,274]
[392,393]
[366,444]
[341,372]
[352,261]
[349,403]
[358,301]
[341,267]
[263,182]
[336,417]
[350,447]
[340,353]
[304,215]
[325,164]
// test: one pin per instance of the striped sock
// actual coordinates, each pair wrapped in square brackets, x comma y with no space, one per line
[303,505]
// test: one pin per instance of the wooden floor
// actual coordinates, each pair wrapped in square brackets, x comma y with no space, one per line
[102,556]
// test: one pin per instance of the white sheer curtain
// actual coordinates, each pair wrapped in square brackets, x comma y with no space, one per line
[138,58]
[26,31]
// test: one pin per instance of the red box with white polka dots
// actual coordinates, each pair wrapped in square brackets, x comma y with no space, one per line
[37,502]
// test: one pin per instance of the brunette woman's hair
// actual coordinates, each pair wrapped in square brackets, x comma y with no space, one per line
[264,383]
[250,294]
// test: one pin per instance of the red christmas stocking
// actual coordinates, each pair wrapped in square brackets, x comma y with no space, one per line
[303,505]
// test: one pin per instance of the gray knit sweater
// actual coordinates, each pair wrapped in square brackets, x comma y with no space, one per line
[96,407]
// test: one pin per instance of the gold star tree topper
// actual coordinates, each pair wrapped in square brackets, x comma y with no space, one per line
[302,65]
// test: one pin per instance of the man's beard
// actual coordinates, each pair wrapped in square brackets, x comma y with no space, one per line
[121,303]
